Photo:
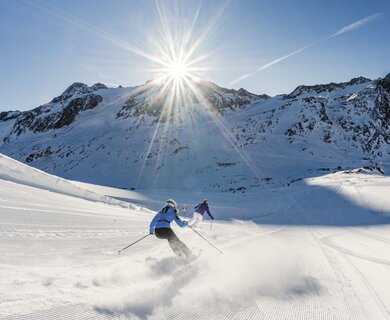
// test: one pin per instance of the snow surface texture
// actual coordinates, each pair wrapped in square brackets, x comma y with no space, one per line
[14,171]
[233,142]
[319,250]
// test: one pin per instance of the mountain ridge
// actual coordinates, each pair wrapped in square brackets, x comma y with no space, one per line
[212,138]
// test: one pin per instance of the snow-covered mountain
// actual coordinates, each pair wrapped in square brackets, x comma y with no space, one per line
[214,139]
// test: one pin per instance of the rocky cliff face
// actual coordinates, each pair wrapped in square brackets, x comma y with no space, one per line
[360,118]
[211,138]
[60,112]
[353,116]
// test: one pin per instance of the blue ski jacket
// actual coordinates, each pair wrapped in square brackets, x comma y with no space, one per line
[164,217]
[202,208]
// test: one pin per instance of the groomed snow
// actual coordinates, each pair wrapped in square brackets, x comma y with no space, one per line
[318,249]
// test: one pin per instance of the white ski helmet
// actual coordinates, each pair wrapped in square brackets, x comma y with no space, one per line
[171,203]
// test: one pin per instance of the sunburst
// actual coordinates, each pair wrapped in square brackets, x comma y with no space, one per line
[178,62]
[178,70]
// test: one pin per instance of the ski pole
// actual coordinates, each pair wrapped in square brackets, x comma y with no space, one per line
[206,240]
[211,224]
[131,244]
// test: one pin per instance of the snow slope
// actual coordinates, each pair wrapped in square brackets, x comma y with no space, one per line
[14,171]
[323,253]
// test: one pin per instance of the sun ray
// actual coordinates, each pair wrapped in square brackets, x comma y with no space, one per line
[177,64]
[224,131]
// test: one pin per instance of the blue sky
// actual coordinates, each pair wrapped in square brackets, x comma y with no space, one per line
[47,45]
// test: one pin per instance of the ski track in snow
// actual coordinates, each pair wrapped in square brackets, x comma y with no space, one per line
[58,260]
[381,308]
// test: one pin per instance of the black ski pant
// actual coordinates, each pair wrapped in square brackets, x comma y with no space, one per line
[178,247]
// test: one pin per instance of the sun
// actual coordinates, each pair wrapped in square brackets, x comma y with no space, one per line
[178,70]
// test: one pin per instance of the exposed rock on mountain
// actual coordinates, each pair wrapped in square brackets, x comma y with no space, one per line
[152,99]
[326,88]
[77,88]
[9,115]
[60,112]
[384,83]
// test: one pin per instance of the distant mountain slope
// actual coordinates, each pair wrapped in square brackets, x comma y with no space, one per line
[213,139]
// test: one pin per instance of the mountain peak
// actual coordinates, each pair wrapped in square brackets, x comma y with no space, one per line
[320,88]
[358,80]
[78,88]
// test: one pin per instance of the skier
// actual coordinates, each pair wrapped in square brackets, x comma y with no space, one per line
[200,209]
[161,227]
